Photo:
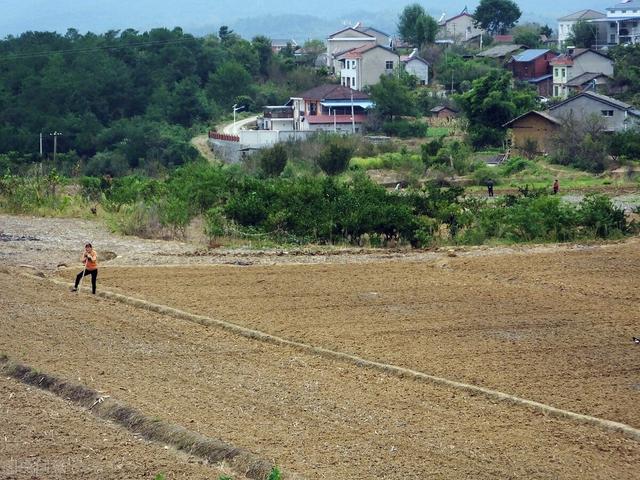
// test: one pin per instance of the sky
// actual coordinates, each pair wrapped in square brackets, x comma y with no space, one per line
[206,16]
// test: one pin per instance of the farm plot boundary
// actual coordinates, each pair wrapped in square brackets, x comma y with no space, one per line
[212,450]
[394,370]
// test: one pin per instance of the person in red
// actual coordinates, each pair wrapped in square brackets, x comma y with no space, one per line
[556,186]
[90,260]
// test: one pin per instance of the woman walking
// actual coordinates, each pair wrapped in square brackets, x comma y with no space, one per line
[90,260]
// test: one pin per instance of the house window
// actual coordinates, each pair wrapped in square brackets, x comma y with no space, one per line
[353,82]
[612,24]
[564,72]
[388,65]
[607,113]
[612,38]
[555,91]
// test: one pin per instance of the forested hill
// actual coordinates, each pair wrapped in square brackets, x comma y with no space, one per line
[131,100]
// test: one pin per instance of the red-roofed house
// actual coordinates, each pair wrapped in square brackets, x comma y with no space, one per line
[330,108]
[362,66]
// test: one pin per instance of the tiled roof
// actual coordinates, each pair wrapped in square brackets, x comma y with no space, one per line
[584,78]
[600,98]
[582,15]
[500,51]
[332,92]
[544,115]
[631,4]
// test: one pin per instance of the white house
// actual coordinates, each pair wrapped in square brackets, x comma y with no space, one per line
[416,66]
[566,23]
[459,28]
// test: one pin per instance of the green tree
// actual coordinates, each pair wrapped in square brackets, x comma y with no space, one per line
[335,157]
[416,26]
[496,16]
[262,46]
[491,103]
[392,96]
[583,34]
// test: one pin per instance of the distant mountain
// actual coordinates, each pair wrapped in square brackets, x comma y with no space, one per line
[275,18]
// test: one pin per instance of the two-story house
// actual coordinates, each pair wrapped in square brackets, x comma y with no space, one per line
[416,66]
[574,63]
[617,115]
[330,108]
[566,23]
[345,40]
[620,26]
[459,28]
[533,66]
[363,66]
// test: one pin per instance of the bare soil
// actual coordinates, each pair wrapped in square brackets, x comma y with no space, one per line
[551,324]
[42,436]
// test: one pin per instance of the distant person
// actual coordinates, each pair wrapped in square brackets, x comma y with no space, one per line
[490,188]
[556,186]
[90,260]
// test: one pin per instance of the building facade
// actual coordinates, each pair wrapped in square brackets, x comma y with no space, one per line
[577,62]
[364,65]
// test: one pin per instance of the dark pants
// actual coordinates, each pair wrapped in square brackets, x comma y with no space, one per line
[94,276]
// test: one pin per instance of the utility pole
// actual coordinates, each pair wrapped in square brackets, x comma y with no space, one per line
[235,109]
[353,118]
[55,136]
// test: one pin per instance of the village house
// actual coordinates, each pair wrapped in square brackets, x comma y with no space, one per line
[617,115]
[596,82]
[533,132]
[502,52]
[459,28]
[620,25]
[345,40]
[279,44]
[416,66]
[577,62]
[533,66]
[335,108]
[362,66]
[566,23]
[442,111]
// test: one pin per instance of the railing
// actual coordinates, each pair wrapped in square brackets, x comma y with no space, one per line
[224,136]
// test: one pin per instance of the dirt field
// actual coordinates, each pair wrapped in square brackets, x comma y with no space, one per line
[552,325]
[42,436]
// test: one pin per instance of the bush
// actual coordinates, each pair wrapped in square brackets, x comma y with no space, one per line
[601,217]
[273,160]
[334,158]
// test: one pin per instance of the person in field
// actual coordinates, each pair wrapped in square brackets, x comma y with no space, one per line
[90,260]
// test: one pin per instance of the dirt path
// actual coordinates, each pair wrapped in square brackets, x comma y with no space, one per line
[201,143]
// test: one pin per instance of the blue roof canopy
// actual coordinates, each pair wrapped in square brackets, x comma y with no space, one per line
[530,54]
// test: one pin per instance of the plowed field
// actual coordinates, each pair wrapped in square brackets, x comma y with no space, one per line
[553,326]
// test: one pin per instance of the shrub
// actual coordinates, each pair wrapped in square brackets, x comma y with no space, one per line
[404,129]
[600,216]
[273,160]
[334,158]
